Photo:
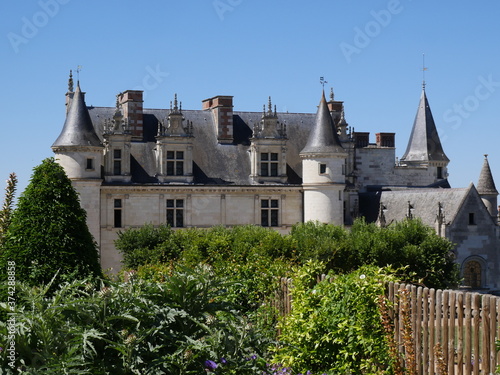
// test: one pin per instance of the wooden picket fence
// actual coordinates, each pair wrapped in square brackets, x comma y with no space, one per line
[461,326]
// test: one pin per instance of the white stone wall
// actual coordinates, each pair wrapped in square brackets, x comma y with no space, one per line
[324,204]
[204,207]
[376,166]
[88,191]
[75,163]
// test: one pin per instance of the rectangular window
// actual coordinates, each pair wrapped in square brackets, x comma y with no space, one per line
[269,213]
[322,168]
[269,164]
[117,162]
[117,213]
[90,164]
[175,163]
[440,172]
[175,213]
[472,220]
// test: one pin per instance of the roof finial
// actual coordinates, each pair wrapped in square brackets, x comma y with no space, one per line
[424,68]
[70,81]
[269,107]
[486,156]
[322,81]
[175,102]
[331,94]
[78,69]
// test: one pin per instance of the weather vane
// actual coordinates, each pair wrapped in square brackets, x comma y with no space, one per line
[424,68]
[322,81]
[78,68]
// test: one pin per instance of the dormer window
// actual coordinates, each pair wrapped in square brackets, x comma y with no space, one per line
[269,164]
[175,163]
[117,162]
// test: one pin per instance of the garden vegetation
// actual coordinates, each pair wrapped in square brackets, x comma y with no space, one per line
[203,301]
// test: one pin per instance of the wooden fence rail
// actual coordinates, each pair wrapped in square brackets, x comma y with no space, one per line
[465,325]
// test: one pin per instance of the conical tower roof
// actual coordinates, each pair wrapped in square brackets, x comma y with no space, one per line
[424,144]
[78,129]
[323,138]
[486,185]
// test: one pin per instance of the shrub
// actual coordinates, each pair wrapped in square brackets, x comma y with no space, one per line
[334,325]
[48,230]
[138,327]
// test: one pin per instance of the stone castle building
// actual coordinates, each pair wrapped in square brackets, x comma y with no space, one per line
[215,165]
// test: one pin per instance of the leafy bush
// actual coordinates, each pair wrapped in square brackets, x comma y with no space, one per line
[334,326]
[138,327]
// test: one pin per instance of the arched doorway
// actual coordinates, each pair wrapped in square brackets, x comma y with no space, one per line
[472,274]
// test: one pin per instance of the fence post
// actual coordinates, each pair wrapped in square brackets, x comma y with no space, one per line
[432,326]
[476,328]
[486,330]
[460,336]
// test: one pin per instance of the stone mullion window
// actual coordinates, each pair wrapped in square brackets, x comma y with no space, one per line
[117,162]
[269,164]
[269,212]
[175,213]
[175,163]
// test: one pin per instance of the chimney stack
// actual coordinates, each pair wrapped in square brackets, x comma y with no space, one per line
[222,111]
[131,103]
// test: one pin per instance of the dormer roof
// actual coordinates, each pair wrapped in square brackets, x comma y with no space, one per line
[424,144]
[78,129]
[323,138]
[486,185]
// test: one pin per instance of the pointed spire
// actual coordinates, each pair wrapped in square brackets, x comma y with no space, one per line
[486,185]
[424,144]
[323,137]
[175,102]
[78,129]
[70,81]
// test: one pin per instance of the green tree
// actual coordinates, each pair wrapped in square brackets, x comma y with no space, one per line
[48,231]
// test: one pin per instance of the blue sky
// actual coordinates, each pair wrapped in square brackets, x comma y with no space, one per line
[369,51]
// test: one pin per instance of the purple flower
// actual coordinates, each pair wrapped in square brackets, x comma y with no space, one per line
[210,365]
[223,360]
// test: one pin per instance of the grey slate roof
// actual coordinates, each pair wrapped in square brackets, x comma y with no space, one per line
[486,185]
[78,129]
[424,203]
[323,138]
[424,144]
[213,163]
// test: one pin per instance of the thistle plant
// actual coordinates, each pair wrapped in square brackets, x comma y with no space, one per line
[408,340]
[8,202]
[388,325]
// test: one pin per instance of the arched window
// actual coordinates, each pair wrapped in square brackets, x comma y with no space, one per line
[472,274]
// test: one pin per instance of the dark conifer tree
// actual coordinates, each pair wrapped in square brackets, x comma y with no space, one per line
[48,232]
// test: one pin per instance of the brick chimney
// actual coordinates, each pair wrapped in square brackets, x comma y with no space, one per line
[385,139]
[131,103]
[222,111]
